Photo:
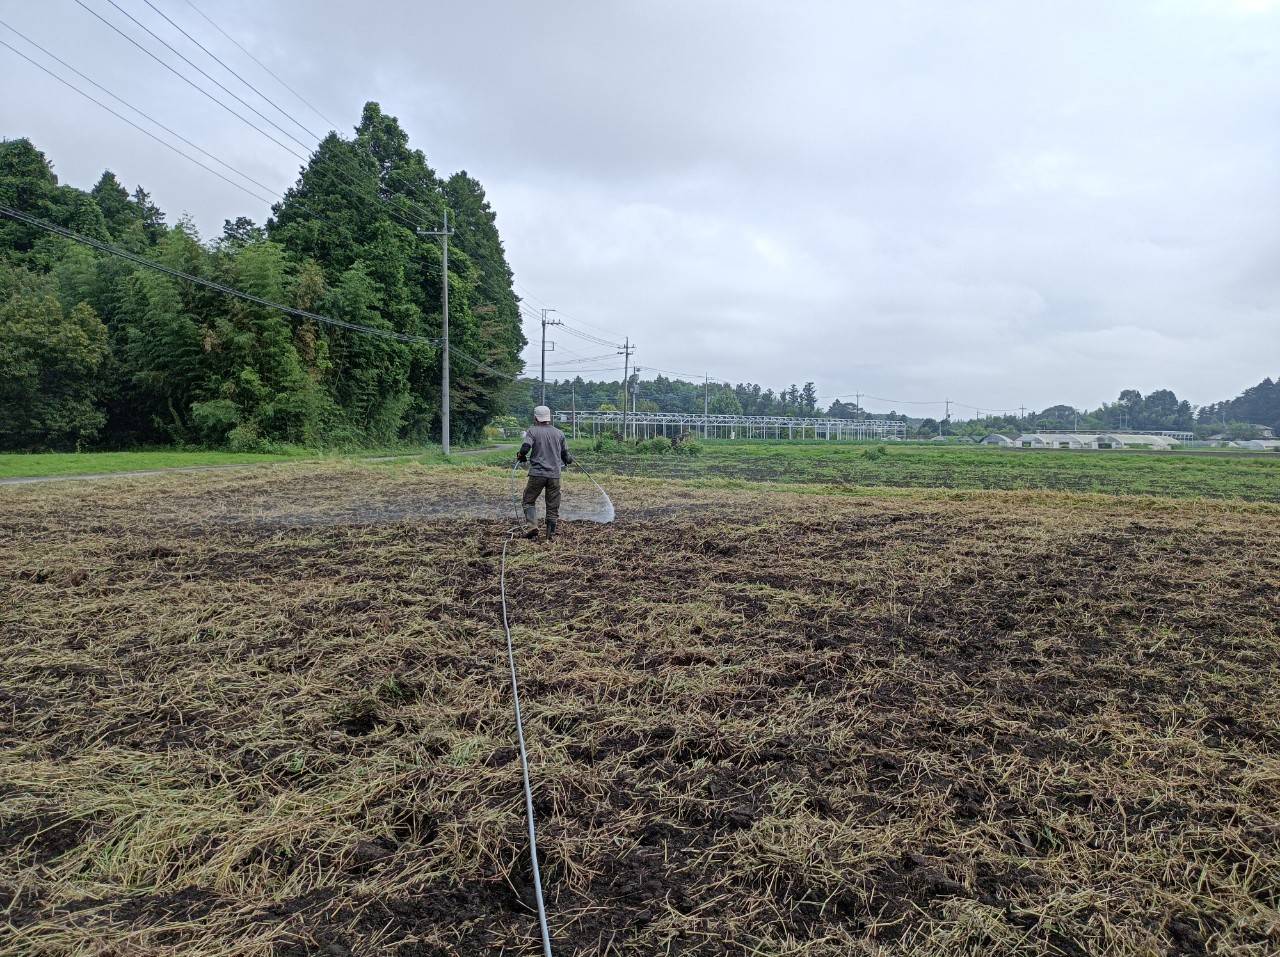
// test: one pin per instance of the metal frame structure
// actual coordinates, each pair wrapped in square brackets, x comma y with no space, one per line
[675,424]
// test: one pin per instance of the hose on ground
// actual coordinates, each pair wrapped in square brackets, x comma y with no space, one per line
[524,754]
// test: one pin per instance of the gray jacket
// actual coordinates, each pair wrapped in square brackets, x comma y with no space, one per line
[546,450]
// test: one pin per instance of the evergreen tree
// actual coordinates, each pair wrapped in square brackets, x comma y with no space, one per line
[49,359]
[149,215]
[118,211]
[726,402]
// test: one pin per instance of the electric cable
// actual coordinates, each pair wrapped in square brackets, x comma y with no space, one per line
[284,200]
[350,184]
[220,86]
[211,284]
[205,50]
[92,99]
[404,337]
[305,102]
[266,99]
[185,79]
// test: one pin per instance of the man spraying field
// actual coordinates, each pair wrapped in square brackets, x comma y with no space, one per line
[547,453]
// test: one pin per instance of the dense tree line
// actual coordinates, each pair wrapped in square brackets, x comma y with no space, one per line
[1257,405]
[1157,411]
[661,394]
[98,351]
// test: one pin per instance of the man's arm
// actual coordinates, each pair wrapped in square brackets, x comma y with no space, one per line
[523,454]
[565,457]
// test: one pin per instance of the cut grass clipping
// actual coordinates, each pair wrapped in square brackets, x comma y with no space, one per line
[267,713]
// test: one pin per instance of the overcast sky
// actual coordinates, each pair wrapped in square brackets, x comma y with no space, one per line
[1003,203]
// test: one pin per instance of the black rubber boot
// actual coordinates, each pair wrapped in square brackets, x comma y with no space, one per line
[552,523]
[531,517]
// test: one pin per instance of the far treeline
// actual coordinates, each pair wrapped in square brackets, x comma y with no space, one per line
[1237,418]
[97,351]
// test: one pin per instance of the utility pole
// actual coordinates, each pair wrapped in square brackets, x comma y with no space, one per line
[706,402]
[625,351]
[947,419]
[635,393]
[546,322]
[444,235]
[857,403]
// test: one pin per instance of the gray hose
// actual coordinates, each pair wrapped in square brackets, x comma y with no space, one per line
[524,754]
[514,505]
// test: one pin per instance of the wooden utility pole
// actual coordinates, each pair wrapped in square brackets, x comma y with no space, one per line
[546,322]
[444,234]
[625,351]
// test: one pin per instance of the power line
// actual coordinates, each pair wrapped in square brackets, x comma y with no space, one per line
[92,99]
[185,79]
[283,199]
[682,375]
[587,337]
[404,337]
[880,398]
[578,360]
[105,247]
[30,220]
[584,322]
[215,59]
[168,46]
[351,184]
[535,313]
[332,124]
[392,210]
[281,110]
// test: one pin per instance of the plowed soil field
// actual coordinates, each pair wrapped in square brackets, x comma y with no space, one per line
[269,713]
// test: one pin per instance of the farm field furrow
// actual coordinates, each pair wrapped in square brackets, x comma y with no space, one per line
[268,713]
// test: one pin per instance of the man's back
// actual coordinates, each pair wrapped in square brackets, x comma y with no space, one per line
[548,451]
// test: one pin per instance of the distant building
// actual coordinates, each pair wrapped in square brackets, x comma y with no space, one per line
[995,438]
[1055,440]
[1092,440]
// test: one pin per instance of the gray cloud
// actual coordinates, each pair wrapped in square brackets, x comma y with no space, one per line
[1000,202]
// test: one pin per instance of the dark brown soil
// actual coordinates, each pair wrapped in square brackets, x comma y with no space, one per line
[759,723]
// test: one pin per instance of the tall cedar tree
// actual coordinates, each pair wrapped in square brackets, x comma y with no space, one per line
[356,211]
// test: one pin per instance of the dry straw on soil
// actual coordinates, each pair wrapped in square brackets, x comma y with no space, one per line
[266,713]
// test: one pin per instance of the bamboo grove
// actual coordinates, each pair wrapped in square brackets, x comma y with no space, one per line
[97,350]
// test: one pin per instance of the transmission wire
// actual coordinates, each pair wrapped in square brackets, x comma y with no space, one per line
[261,64]
[30,220]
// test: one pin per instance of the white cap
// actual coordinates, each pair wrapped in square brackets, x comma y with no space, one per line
[542,414]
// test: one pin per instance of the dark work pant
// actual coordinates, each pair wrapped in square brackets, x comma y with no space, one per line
[534,488]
